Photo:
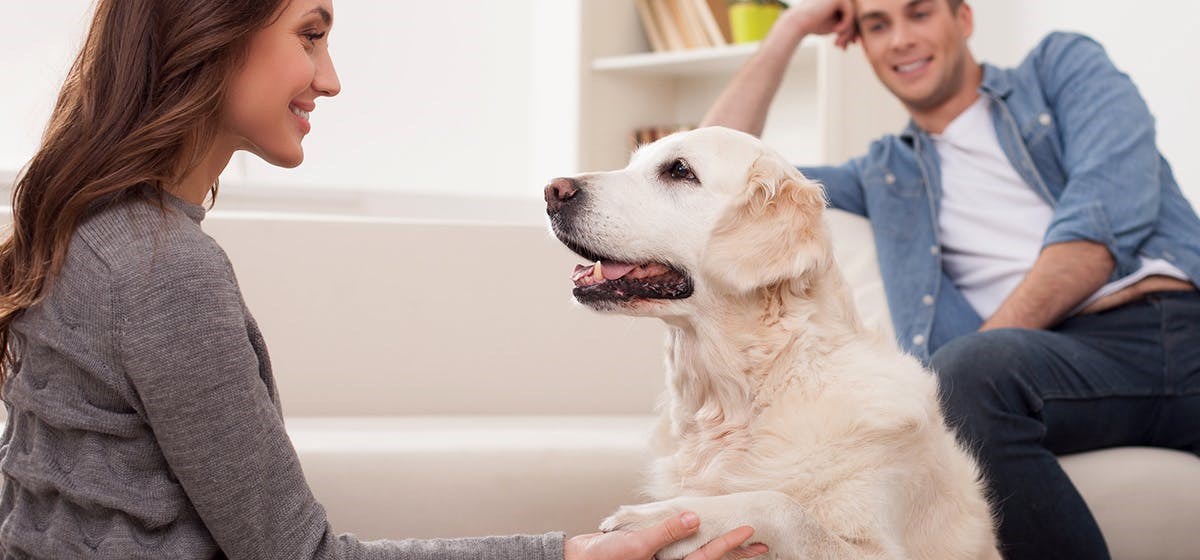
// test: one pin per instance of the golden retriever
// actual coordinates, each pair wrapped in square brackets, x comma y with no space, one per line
[782,410]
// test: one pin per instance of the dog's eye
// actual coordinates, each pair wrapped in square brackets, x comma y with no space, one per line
[680,171]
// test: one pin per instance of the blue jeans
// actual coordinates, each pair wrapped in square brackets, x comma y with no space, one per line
[1017,398]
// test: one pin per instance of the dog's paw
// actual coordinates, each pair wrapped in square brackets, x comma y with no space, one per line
[644,516]
[634,518]
[770,513]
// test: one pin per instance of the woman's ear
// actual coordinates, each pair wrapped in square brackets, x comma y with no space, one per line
[772,233]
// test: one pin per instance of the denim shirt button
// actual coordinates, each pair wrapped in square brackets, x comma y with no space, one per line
[927,300]
[890,179]
[919,340]
[1044,119]
[934,250]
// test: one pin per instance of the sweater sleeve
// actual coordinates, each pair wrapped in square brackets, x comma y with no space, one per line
[183,342]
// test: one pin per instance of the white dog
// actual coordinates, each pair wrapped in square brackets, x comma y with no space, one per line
[783,411]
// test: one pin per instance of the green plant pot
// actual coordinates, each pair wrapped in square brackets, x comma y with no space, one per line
[749,21]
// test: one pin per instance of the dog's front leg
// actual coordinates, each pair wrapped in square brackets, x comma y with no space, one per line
[779,522]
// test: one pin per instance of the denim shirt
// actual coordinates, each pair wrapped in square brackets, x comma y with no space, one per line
[1080,135]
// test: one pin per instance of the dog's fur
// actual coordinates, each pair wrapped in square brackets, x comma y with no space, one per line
[782,410]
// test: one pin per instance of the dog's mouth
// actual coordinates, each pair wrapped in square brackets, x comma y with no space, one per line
[615,281]
[618,281]
[609,280]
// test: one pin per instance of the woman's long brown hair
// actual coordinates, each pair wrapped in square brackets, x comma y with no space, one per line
[137,111]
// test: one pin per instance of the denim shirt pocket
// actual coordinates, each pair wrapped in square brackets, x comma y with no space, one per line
[1041,136]
[892,202]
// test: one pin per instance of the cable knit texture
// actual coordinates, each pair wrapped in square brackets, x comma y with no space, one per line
[144,421]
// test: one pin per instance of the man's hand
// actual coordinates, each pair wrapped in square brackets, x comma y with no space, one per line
[822,17]
[1137,291]
[641,545]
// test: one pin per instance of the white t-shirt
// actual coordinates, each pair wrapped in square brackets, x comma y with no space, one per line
[992,223]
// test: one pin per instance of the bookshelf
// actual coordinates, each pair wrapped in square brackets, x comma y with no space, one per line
[828,109]
[706,61]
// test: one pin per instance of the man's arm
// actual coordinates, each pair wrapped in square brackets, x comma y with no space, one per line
[1109,151]
[745,102]
[1110,203]
[1063,276]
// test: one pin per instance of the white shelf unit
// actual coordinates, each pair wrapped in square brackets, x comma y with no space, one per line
[692,62]
[828,109]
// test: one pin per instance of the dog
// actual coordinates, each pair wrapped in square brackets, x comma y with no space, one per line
[782,410]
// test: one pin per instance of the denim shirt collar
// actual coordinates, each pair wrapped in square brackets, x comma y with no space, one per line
[996,83]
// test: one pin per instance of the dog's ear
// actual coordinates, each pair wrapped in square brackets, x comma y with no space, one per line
[772,233]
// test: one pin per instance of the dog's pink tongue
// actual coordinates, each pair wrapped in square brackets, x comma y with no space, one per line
[614,270]
[610,270]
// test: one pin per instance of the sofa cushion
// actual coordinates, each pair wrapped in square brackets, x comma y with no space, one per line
[1146,500]
[393,477]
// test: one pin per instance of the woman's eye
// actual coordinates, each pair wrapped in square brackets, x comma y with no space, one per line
[314,37]
[680,171]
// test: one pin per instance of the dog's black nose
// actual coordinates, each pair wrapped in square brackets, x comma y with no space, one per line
[558,192]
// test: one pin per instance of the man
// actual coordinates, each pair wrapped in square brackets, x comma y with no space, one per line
[1036,249]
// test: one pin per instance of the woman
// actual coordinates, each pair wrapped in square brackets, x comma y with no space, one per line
[143,417]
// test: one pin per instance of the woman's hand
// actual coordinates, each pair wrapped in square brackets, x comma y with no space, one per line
[641,545]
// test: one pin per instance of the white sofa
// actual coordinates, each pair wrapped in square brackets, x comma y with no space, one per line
[438,381]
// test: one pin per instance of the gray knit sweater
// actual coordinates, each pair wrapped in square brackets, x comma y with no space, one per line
[144,421]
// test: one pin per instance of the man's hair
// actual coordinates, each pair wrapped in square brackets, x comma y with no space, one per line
[954,4]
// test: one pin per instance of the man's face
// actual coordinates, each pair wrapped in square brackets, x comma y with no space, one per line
[918,48]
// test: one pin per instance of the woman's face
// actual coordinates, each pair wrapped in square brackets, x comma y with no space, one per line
[287,67]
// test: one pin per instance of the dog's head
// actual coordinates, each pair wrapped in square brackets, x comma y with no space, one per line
[710,213]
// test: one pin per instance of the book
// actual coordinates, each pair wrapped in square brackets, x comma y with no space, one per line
[693,20]
[651,25]
[666,25]
[708,21]
[678,17]
[720,12]
[672,25]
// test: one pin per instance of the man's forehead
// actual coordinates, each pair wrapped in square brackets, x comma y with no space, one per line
[884,7]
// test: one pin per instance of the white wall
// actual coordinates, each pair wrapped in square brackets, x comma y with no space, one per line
[37,49]
[433,99]
[482,101]
[450,100]
[1151,40]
